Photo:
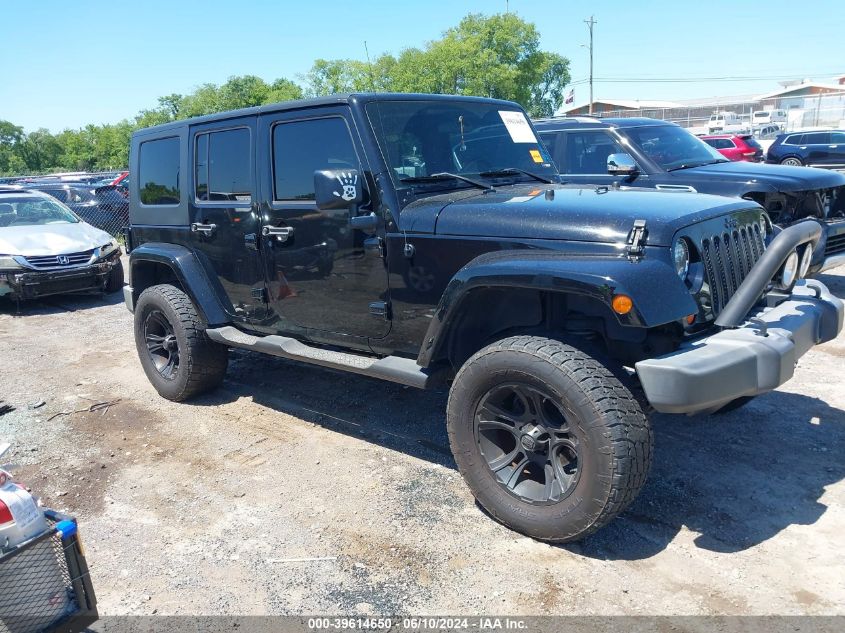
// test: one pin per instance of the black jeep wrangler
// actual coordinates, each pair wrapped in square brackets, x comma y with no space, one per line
[423,239]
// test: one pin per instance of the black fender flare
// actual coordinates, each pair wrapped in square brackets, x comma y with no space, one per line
[205,292]
[658,294]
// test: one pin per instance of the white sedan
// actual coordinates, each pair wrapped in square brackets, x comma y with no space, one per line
[46,249]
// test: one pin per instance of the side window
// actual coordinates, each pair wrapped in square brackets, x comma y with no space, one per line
[817,138]
[587,152]
[550,141]
[222,166]
[795,139]
[837,137]
[302,147]
[158,171]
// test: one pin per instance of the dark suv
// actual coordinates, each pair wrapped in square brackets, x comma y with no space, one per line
[663,155]
[821,148]
[422,239]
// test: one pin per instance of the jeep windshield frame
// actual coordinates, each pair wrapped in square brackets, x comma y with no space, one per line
[472,139]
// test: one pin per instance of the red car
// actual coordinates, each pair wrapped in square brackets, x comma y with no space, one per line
[736,146]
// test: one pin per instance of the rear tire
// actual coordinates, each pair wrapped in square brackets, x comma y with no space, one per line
[589,445]
[792,161]
[179,359]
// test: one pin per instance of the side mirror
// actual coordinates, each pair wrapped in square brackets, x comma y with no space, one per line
[337,189]
[622,165]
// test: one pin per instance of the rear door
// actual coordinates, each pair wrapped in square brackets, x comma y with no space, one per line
[816,148]
[837,150]
[224,224]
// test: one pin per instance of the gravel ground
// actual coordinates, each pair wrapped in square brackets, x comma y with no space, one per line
[195,508]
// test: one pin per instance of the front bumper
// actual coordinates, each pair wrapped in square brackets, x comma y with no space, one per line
[705,374]
[31,284]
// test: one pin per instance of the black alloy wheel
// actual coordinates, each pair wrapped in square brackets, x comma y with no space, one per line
[162,344]
[527,442]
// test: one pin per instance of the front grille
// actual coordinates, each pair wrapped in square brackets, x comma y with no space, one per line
[60,261]
[728,257]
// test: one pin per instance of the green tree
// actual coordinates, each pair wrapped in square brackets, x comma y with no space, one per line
[332,76]
[10,137]
[283,90]
[493,56]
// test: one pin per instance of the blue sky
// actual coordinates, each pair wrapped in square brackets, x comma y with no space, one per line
[67,64]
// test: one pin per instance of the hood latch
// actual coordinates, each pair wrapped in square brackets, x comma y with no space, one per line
[636,240]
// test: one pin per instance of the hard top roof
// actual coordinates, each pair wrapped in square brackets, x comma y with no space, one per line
[347,98]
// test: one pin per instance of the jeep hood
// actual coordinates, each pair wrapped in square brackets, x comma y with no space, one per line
[559,212]
[50,239]
[780,177]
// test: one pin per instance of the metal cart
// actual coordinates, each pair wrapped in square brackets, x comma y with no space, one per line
[44,582]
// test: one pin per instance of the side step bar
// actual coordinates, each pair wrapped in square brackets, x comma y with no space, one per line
[392,368]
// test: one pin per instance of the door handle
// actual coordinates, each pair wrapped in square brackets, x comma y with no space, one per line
[281,233]
[364,222]
[203,229]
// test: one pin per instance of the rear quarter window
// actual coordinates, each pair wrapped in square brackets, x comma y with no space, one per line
[158,171]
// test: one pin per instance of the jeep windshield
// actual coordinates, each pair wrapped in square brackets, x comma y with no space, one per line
[27,211]
[450,144]
[672,147]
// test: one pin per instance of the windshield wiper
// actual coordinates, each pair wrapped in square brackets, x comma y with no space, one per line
[508,171]
[445,175]
[699,164]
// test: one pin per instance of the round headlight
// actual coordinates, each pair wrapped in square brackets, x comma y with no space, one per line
[680,257]
[789,273]
[806,258]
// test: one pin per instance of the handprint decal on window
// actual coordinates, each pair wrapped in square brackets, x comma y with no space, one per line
[348,182]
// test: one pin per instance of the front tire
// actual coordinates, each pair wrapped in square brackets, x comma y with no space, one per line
[114,282]
[179,359]
[551,444]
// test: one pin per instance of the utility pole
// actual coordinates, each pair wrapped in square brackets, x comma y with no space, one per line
[590,23]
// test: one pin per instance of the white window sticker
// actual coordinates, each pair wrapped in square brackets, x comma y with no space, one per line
[517,126]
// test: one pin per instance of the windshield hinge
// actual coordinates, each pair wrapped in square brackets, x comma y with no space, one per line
[636,240]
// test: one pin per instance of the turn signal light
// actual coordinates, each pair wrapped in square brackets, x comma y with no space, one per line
[690,319]
[622,304]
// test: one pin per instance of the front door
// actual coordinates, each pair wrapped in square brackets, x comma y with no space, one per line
[224,225]
[321,281]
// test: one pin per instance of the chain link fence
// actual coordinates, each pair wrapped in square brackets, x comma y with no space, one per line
[99,198]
